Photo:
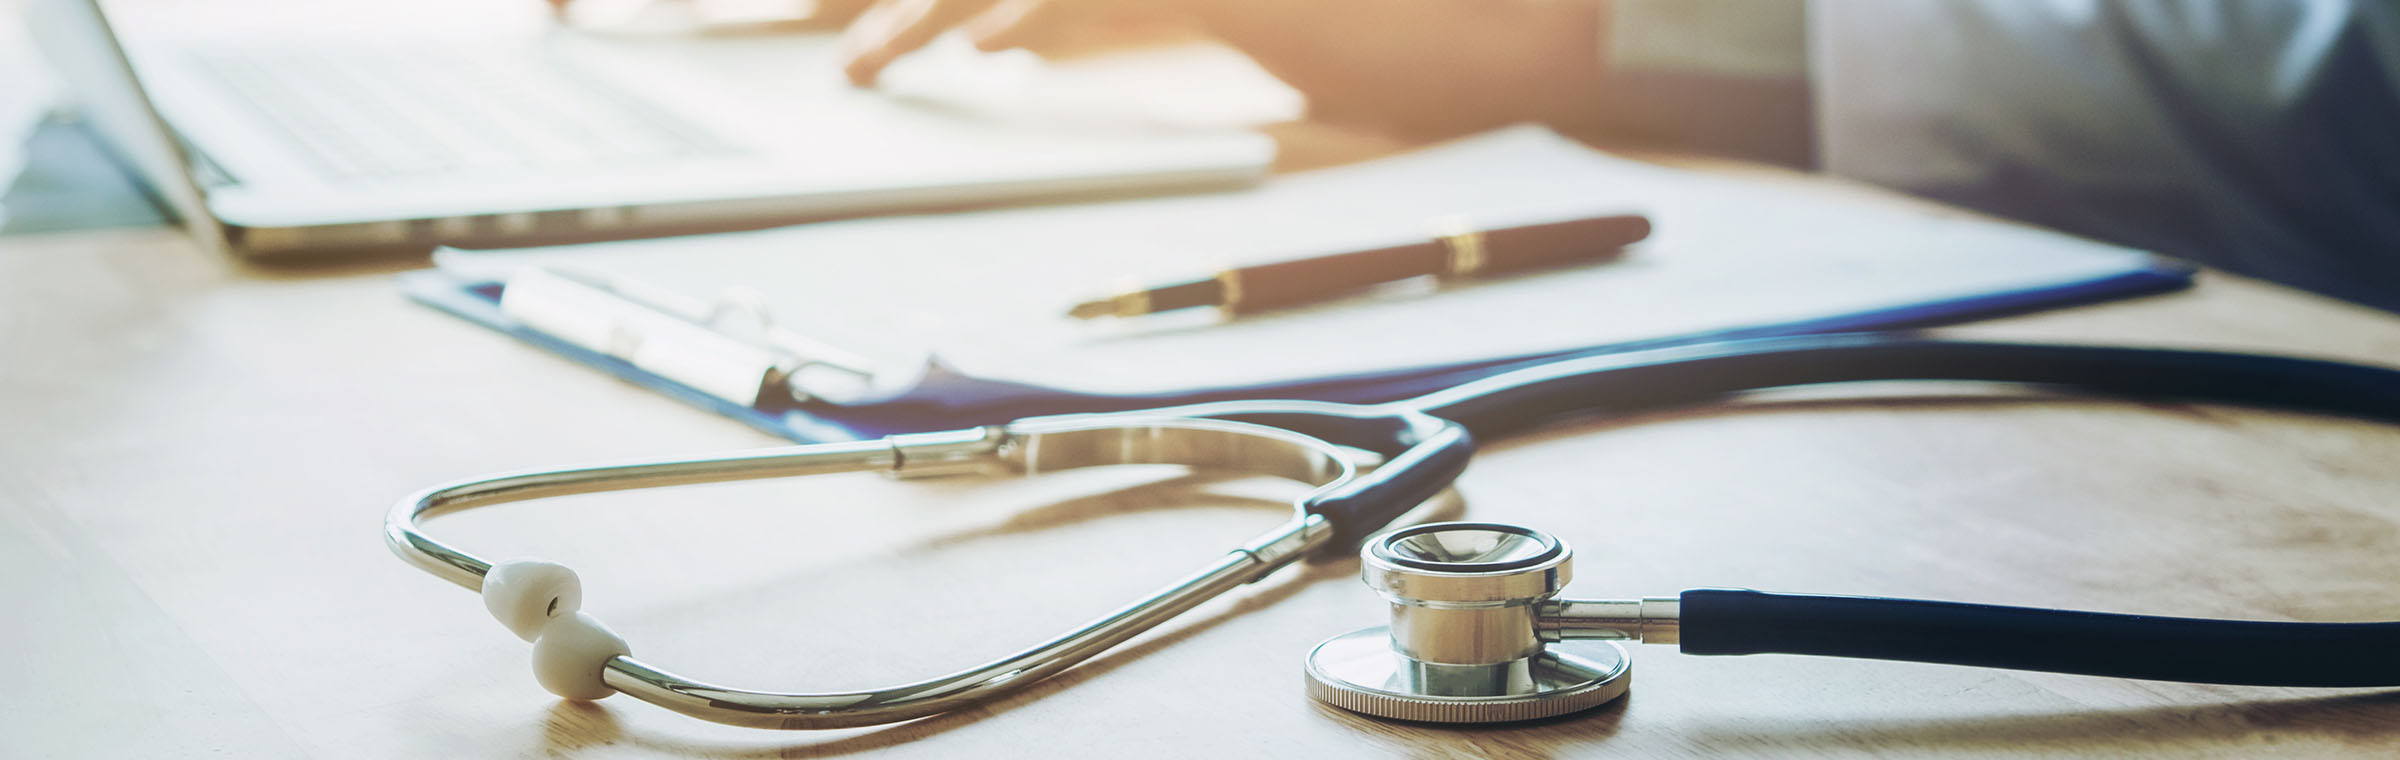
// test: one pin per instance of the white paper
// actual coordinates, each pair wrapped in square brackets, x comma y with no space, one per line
[987,291]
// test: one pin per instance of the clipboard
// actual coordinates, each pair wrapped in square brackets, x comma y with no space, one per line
[1702,281]
[946,399]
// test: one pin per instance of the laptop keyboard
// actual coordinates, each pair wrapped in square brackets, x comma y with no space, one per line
[384,114]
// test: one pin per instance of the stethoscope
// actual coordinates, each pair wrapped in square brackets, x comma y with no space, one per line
[1476,634]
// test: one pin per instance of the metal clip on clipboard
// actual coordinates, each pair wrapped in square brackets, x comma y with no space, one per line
[731,349]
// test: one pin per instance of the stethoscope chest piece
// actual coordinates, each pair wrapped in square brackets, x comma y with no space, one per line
[1465,644]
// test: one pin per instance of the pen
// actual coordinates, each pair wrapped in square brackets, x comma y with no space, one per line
[1456,250]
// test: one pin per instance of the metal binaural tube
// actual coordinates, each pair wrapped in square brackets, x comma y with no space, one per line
[1026,447]
[763,709]
[455,565]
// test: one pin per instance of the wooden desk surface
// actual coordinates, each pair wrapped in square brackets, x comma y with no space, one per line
[195,457]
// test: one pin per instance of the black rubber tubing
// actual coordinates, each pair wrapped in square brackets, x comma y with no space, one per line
[1727,622]
[2246,652]
[1423,456]
[1503,404]
[1379,497]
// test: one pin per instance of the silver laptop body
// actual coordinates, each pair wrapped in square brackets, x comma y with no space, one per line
[364,134]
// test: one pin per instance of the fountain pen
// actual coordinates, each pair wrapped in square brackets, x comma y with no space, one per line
[1455,251]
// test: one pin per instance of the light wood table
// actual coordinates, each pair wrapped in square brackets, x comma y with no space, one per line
[195,457]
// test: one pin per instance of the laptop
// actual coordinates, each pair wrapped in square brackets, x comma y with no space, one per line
[347,132]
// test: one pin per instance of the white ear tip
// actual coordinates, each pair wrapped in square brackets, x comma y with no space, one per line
[526,595]
[571,653]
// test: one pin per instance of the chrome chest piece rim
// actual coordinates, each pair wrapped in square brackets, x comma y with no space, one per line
[1359,672]
[1464,645]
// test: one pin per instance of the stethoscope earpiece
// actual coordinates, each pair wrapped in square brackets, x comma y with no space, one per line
[1468,641]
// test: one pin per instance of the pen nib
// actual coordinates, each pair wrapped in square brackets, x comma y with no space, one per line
[1094,309]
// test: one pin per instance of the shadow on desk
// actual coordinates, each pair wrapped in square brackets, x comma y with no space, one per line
[2363,718]
[572,726]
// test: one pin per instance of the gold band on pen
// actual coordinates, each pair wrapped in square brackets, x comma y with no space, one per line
[1229,289]
[1133,304]
[1464,243]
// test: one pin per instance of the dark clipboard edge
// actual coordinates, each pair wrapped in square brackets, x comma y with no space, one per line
[479,302]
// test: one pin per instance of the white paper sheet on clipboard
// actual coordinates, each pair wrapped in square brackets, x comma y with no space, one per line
[987,291]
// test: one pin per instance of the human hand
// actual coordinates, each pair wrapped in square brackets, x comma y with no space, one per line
[1415,66]
[888,29]
[708,17]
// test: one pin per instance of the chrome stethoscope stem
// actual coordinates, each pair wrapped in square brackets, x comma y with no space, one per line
[1651,619]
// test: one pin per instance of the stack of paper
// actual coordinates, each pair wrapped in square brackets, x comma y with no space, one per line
[987,291]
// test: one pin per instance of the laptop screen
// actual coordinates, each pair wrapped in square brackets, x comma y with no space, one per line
[77,41]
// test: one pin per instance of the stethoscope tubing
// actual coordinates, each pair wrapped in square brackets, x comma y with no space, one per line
[1730,622]
[2235,652]
[1426,443]
[1433,435]
[1508,403]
